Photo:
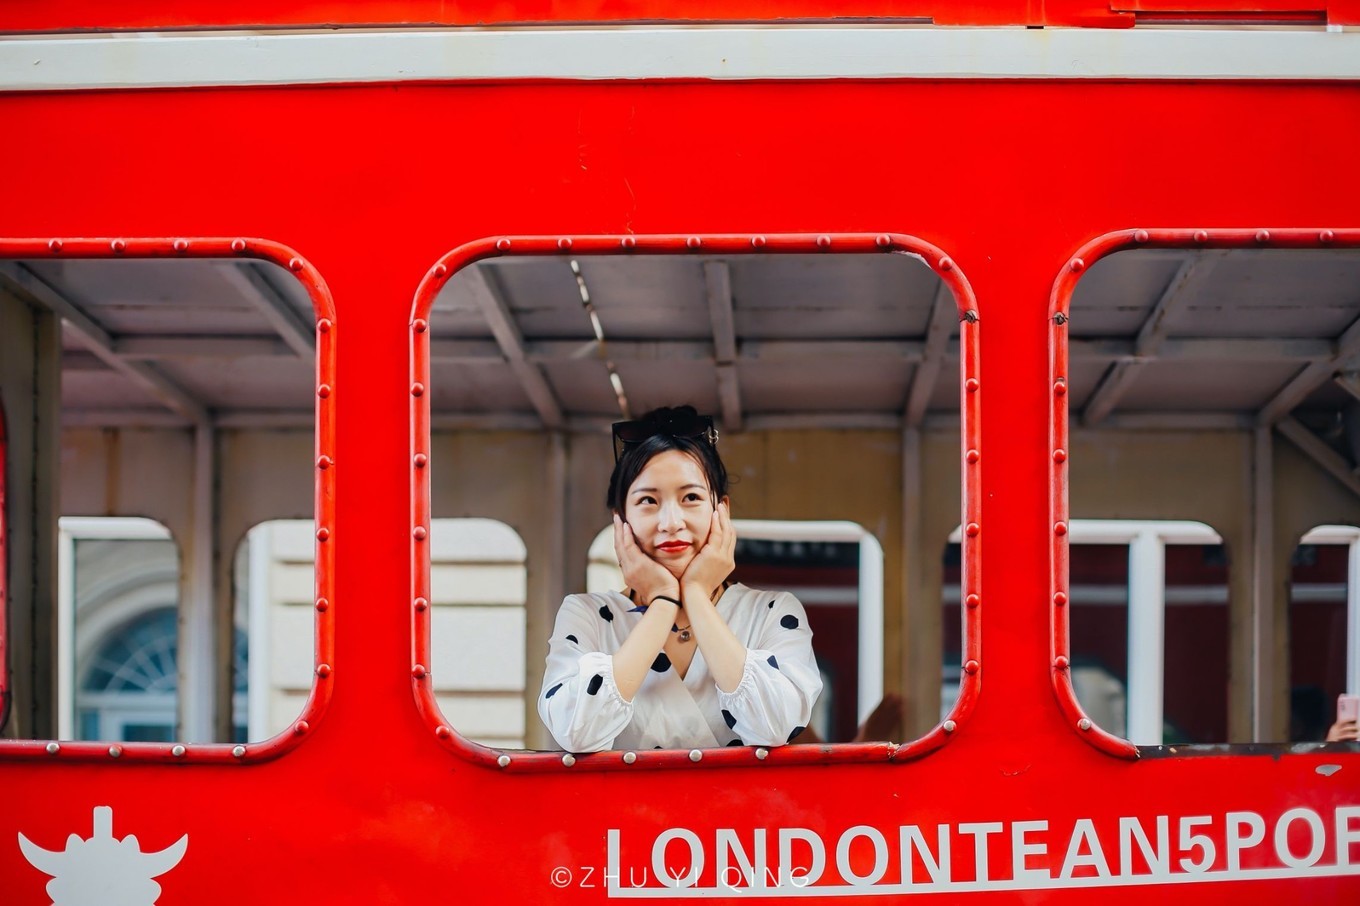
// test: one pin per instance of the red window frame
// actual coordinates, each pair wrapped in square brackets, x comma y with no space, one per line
[1059,315]
[744,244]
[323,674]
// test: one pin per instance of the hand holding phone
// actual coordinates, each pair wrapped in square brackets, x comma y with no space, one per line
[1347,708]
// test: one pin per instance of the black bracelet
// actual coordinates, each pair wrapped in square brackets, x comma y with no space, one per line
[667,598]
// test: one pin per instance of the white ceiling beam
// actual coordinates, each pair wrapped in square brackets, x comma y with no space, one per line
[122,418]
[254,284]
[944,316]
[718,290]
[1189,277]
[1317,450]
[481,285]
[1311,377]
[99,342]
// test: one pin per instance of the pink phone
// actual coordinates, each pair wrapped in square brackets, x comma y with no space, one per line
[1347,707]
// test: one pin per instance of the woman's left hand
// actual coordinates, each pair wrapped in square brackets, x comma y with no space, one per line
[717,559]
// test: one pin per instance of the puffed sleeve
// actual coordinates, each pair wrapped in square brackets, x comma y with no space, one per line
[780,681]
[579,702]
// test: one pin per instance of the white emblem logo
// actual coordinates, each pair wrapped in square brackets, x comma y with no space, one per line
[102,871]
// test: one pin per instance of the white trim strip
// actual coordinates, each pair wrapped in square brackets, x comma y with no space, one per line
[190,59]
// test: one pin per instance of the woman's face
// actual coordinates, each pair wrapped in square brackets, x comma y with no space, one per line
[670,509]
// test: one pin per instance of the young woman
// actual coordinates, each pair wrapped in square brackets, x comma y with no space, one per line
[682,658]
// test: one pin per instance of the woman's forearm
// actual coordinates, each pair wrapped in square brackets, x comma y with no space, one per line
[723,652]
[638,652]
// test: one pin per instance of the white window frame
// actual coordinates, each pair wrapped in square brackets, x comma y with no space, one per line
[1348,535]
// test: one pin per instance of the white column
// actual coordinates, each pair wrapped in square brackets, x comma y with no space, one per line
[1262,586]
[1353,620]
[196,655]
[66,635]
[259,551]
[1147,591]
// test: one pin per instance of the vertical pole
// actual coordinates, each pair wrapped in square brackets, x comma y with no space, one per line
[541,608]
[196,652]
[1147,612]
[920,681]
[66,636]
[1262,590]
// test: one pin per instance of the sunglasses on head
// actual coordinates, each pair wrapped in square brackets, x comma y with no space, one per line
[683,423]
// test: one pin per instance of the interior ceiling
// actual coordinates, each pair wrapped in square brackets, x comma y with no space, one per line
[1158,338]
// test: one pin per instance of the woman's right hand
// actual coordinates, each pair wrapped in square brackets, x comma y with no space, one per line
[641,573]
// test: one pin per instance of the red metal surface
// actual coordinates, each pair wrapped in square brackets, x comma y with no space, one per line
[745,244]
[375,183]
[184,247]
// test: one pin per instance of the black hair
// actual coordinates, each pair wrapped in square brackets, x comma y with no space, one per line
[636,456]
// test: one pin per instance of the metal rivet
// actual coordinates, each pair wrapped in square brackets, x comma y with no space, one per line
[971,316]
[973,456]
[693,242]
[420,460]
[53,748]
[1061,318]
[1140,236]
[503,244]
[695,755]
[1060,456]
[417,389]
[1061,662]
[1201,236]
[971,385]
[323,533]
[238,245]
[442,732]
[762,754]
[322,605]
[973,600]
[946,264]
[420,325]
[323,391]
[420,533]
[1060,387]
[301,727]
[972,529]
[883,240]
[181,245]
[758,242]
[503,761]
[439,271]
[1263,235]
[323,670]
[295,264]
[1324,236]
[971,667]
[628,242]
[422,604]
[418,671]
[1077,265]
[1060,598]
[324,325]
[568,759]
[238,751]
[324,462]
[118,246]
[115,751]
[1084,723]
[823,242]
[949,726]
[177,751]
[1060,528]
[54,245]
[564,243]
[629,757]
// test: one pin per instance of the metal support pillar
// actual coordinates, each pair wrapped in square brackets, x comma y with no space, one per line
[197,653]
[1263,586]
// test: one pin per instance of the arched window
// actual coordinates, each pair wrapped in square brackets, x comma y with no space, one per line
[127,689]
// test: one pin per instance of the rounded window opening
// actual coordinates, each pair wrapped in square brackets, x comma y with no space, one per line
[158,388]
[1203,375]
[821,373]
[1324,625]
